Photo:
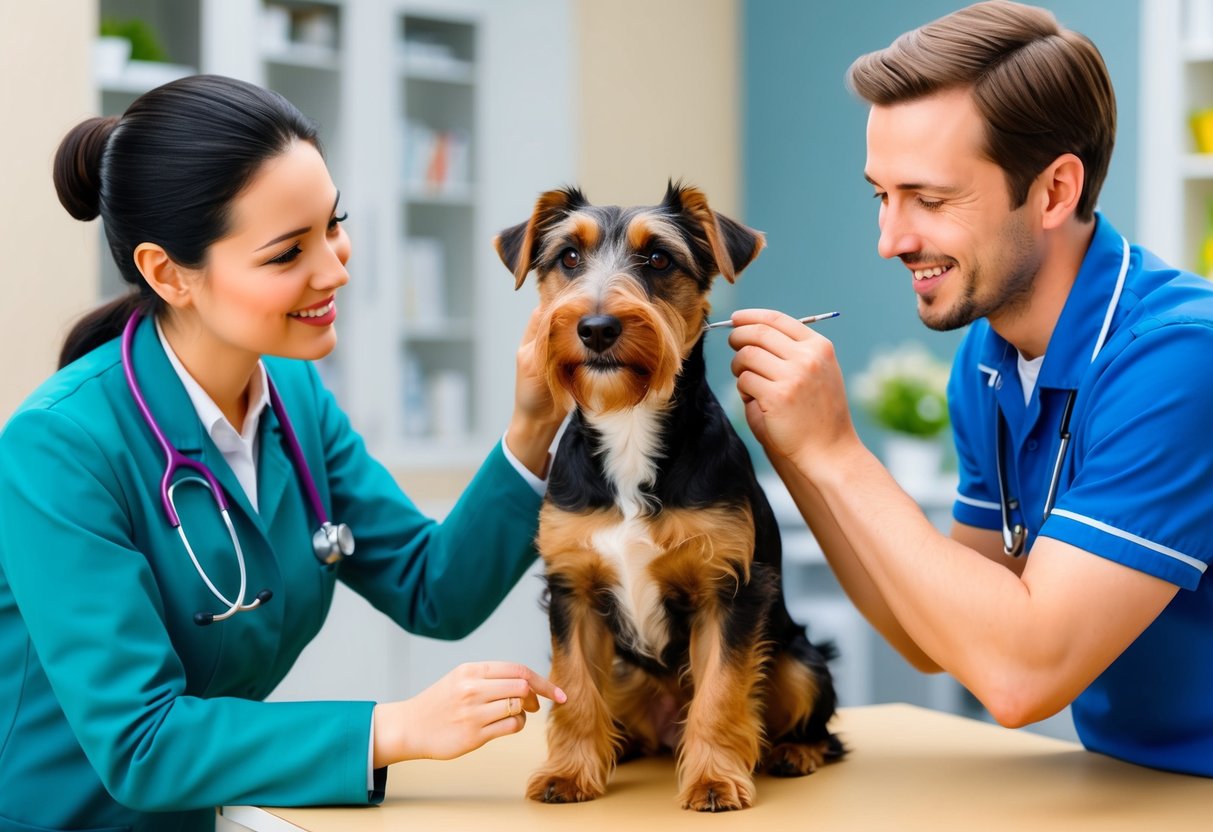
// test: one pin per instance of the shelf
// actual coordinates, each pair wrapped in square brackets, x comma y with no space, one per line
[438,71]
[1197,51]
[1176,66]
[140,76]
[1197,166]
[305,56]
[395,88]
[453,195]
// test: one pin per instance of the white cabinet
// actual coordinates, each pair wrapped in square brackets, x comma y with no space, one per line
[441,122]
[436,74]
[1176,177]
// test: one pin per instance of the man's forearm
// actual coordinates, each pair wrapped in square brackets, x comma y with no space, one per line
[848,568]
[952,603]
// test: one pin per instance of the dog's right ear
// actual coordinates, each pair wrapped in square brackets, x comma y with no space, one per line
[733,245]
[518,244]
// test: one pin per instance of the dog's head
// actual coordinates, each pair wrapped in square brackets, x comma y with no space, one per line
[624,291]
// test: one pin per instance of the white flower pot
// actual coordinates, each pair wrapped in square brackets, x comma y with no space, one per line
[110,55]
[913,461]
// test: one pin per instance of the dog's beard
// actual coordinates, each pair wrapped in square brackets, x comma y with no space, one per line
[641,365]
[606,385]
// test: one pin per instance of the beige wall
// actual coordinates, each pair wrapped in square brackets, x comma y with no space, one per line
[49,274]
[659,85]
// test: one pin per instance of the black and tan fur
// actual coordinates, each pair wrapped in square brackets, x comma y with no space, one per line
[662,555]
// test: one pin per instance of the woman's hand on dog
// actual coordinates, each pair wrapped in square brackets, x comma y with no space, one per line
[537,415]
[792,388]
[474,703]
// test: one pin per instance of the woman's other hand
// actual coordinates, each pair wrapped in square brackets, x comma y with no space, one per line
[474,703]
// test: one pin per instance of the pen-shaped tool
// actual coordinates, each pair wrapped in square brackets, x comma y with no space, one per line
[812,319]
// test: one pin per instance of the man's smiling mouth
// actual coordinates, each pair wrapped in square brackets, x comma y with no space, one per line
[935,271]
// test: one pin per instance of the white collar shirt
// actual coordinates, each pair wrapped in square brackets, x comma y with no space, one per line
[239,448]
[1029,371]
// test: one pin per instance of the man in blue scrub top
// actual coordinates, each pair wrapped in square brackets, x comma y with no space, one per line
[1075,572]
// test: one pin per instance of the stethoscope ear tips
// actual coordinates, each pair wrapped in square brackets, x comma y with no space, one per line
[204,618]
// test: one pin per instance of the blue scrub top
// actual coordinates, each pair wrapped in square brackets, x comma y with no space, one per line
[1136,486]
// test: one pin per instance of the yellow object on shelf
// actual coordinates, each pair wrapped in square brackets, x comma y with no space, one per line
[1205,255]
[1201,122]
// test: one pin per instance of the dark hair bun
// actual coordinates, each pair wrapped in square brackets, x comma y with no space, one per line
[78,166]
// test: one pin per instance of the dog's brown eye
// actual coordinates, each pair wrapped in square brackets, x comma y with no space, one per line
[569,258]
[659,261]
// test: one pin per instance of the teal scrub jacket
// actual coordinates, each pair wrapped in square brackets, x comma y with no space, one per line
[117,711]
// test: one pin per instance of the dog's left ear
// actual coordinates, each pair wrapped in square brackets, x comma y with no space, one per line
[734,246]
[517,245]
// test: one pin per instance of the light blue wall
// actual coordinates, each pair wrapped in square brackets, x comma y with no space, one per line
[803,140]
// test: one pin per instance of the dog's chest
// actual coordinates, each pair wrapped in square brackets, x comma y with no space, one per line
[630,445]
[629,549]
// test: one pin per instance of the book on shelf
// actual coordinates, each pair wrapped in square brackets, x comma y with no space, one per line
[424,276]
[436,161]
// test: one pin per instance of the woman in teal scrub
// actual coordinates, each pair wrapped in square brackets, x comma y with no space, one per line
[143,619]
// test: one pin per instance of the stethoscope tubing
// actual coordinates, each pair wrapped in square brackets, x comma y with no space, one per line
[296,452]
[1015,534]
[1063,444]
[238,605]
[330,543]
[174,460]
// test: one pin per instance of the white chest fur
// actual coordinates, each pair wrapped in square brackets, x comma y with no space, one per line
[631,442]
[629,548]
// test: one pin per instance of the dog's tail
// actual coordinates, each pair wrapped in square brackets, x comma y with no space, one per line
[828,649]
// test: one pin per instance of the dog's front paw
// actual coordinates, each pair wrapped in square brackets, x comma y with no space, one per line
[718,795]
[794,759]
[563,787]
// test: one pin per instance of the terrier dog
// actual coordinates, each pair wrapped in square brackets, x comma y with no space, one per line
[662,555]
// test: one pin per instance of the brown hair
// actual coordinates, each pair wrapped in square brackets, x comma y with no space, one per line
[1043,90]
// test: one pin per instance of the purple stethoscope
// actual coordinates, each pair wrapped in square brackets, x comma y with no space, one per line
[330,543]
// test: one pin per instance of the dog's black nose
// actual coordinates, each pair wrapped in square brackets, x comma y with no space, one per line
[598,332]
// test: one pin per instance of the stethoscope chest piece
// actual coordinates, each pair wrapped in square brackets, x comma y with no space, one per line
[332,542]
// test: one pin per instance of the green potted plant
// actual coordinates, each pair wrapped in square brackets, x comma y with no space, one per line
[144,41]
[904,390]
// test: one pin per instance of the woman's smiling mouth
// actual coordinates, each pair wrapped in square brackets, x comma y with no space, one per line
[321,314]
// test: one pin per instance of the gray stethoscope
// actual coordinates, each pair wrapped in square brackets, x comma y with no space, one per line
[1015,534]
[330,543]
